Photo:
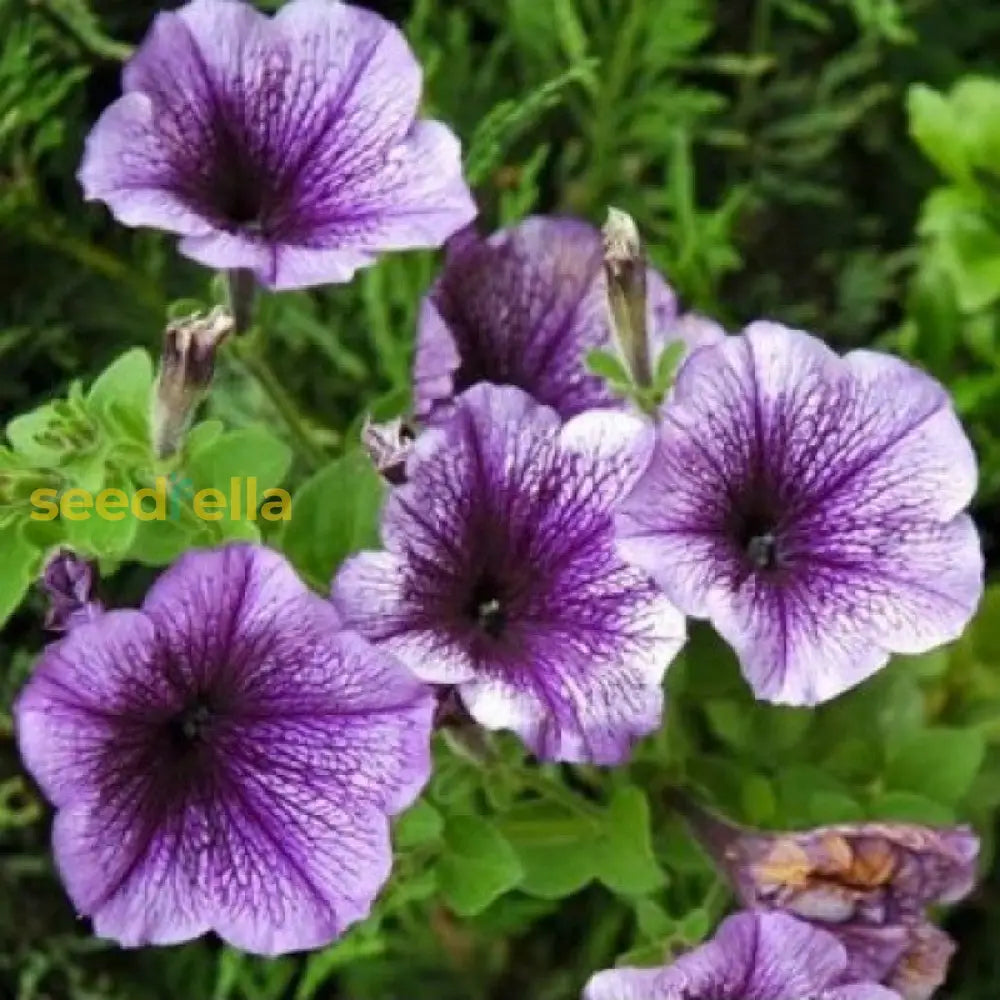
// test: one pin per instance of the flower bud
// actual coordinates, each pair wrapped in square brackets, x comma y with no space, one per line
[388,445]
[68,582]
[186,369]
[625,272]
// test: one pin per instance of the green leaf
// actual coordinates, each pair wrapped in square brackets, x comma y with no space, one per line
[30,434]
[420,824]
[624,856]
[938,763]
[478,866]
[985,629]
[556,848]
[334,513]
[501,126]
[934,129]
[608,366]
[125,384]
[157,543]
[905,807]
[834,807]
[729,720]
[18,567]
[108,536]
[666,366]
[250,453]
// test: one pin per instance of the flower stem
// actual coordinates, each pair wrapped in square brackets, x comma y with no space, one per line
[286,407]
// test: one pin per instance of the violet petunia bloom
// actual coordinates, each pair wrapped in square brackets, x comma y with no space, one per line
[870,884]
[811,507]
[523,307]
[224,759]
[753,956]
[287,146]
[499,576]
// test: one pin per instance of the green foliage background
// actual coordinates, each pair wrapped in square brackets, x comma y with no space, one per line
[831,163]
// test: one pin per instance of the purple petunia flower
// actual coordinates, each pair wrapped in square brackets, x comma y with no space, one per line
[810,506]
[499,576]
[523,307]
[288,146]
[224,759]
[870,884]
[753,956]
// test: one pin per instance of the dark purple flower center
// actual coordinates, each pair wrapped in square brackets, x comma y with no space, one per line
[755,530]
[486,606]
[190,728]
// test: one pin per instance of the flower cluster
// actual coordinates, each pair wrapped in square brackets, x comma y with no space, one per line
[227,757]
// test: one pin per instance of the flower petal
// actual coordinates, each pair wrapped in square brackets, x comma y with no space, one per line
[784,956]
[67,715]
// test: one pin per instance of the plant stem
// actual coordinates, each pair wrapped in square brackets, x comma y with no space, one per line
[287,408]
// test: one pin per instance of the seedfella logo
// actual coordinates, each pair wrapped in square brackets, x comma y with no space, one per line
[164,501]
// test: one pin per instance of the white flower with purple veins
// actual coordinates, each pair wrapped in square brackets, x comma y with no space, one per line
[523,307]
[288,146]
[499,576]
[811,507]
[753,956]
[225,759]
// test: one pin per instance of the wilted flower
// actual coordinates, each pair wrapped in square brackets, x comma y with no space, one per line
[287,146]
[753,956]
[809,506]
[911,959]
[388,446]
[523,307]
[68,581]
[224,759]
[868,883]
[499,576]
[186,368]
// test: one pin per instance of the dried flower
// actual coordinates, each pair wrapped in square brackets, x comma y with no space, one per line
[186,368]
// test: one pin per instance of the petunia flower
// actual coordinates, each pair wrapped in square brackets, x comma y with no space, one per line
[811,507]
[870,884]
[499,576]
[288,146]
[224,759]
[753,956]
[523,307]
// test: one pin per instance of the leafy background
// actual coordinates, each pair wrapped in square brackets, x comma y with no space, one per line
[831,163]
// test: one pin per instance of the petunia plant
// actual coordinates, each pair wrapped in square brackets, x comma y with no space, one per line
[591,610]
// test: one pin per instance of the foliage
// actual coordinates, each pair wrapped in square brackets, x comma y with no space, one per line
[831,163]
